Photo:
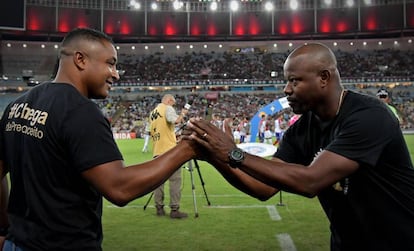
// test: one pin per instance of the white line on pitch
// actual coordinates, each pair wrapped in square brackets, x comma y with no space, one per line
[219,206]
[223,206]
[274,214]
[285,242]
[216,195]
[241,206]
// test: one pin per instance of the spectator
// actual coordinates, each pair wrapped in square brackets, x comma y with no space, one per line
[382,94]
[147,136]
[262,128]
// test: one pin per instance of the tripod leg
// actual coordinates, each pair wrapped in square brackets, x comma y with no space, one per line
[202,181]
[148,201]
[190,168]
[280,199]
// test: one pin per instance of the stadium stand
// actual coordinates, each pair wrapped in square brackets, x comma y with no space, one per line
[243,80]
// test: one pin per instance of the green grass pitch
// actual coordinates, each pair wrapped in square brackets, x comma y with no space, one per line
[233,221]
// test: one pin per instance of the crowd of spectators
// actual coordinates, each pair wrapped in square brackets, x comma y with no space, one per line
[235,106]
[358,65]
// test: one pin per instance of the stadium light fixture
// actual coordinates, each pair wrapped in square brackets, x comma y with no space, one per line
[154,6]
[136,5]
[213,6]
[293,4]
[269,6]
[367,2]
[234,5]
[177,5]
[328,2]
[350,3]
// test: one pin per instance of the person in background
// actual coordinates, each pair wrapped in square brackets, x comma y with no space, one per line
[163,120]
[62,158]
[262,128]
[147,136]
[268,135]
[362,173]
[280,127]
[383,95]
[216,120]
[236,135]
[244,129]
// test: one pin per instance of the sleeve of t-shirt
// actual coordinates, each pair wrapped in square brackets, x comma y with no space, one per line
[88,136]
[171,115]
[364,135]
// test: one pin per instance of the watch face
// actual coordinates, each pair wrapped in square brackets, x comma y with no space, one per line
[237,154]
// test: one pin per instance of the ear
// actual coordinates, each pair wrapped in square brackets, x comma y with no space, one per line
[325,77]
[79,59]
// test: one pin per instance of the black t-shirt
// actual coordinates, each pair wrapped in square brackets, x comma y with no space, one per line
[372,209]
[48,136]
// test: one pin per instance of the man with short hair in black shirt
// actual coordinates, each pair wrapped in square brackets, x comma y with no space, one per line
[62,158]
[346,148]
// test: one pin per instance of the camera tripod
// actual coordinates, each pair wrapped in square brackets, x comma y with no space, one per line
[190,168]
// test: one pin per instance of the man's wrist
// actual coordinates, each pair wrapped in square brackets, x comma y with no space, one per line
[236,157]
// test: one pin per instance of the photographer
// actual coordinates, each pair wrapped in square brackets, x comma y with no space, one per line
[163,120]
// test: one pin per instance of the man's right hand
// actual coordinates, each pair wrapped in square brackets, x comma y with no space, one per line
[198,151]
[218,143]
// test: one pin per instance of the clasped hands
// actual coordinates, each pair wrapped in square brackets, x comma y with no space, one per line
[209,142]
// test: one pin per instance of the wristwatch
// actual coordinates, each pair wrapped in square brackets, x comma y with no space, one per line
[236,157]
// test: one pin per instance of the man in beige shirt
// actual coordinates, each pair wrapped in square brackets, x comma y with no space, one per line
[163,120]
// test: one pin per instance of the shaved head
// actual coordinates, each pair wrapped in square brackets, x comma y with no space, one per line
[315,56]
[75,39]
[313,80]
